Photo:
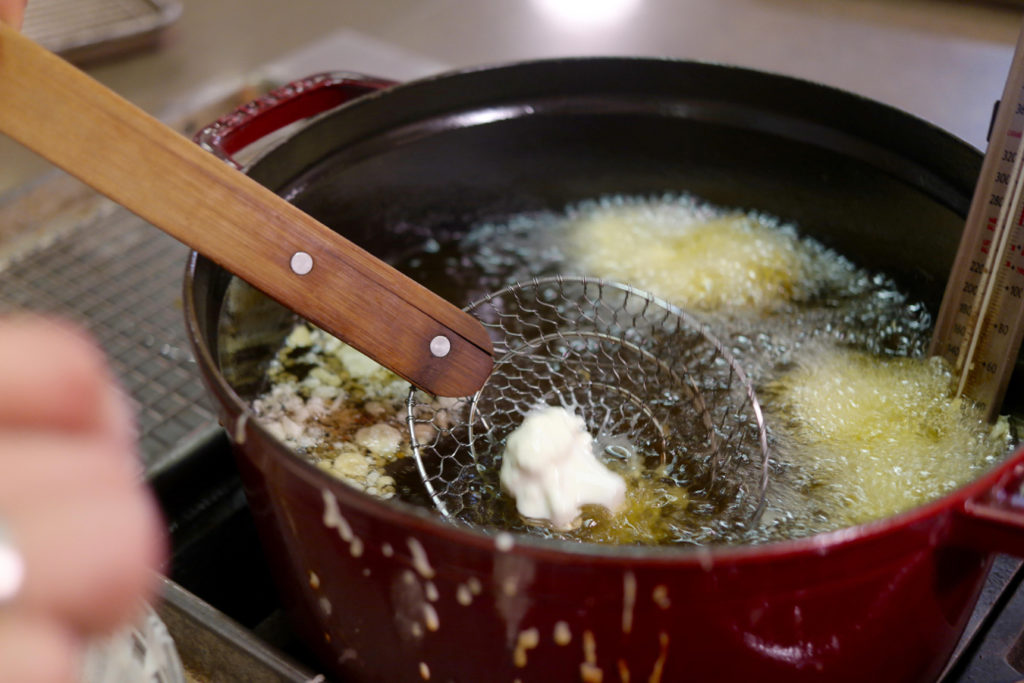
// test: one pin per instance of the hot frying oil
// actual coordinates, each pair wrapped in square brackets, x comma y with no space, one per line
[861,424]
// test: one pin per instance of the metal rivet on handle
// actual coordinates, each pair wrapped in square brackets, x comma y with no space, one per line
[301,263]
[440,346]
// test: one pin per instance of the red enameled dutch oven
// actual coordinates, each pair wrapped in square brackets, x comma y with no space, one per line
[386,591]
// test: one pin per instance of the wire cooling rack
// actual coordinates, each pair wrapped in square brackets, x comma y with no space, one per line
[121,278]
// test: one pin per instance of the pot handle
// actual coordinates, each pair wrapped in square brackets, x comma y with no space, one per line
[994,520]
[283,106]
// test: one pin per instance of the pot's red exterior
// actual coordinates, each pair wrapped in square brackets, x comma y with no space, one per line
[388,593]
[390,596]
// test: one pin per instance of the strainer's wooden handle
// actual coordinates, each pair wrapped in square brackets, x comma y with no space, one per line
[56,110]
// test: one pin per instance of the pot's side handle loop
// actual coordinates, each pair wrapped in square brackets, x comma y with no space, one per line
[994,520]
[281,107]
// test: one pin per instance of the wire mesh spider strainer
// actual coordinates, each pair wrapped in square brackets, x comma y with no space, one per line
[649,380]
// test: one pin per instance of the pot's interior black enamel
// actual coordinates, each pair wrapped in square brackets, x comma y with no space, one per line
[881,187]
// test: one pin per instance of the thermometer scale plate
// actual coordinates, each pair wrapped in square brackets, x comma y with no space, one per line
[981,320]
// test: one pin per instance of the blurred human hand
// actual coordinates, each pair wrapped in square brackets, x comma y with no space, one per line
[72,498]
[12,12]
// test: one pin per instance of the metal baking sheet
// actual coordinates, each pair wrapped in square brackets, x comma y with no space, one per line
[79,29]
[213,647]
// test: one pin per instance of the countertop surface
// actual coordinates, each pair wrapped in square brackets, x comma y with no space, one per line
[944,61]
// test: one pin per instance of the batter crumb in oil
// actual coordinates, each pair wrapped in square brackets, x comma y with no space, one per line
[871,437]
[689,254]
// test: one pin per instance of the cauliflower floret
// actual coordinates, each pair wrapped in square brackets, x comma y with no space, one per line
[550,468]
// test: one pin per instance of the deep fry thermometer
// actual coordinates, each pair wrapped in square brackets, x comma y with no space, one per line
[981,320]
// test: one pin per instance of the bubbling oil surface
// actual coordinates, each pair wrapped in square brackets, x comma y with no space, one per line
[860,423]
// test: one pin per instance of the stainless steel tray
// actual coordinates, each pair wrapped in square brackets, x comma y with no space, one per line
[214,647]
[84,29]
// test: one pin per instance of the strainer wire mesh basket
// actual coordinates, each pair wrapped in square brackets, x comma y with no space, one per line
[649,380]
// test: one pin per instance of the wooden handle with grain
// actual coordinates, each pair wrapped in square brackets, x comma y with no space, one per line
[92,133]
